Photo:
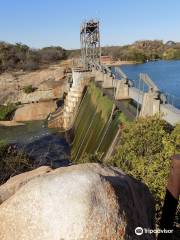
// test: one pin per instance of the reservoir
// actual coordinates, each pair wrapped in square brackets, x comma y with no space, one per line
[165,74]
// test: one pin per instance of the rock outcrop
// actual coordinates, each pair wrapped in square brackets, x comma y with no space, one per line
[12,84]
[86,201]
[10,123]
[34,111]
[47,90]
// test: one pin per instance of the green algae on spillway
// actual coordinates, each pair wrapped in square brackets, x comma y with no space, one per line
[96,124]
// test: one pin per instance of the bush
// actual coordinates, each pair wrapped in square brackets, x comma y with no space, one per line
[144,152]
[12,161]
[29,89]
[52,54]
[7,111]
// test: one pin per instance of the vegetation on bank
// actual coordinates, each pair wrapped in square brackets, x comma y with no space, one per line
[12,161]
[144,152]
[21,57]
[140,51]
[29,89]
[6,111]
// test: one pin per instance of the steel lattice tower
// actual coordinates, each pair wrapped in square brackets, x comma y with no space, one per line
[90,43]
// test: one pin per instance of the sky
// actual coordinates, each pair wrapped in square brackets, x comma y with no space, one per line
[40,23]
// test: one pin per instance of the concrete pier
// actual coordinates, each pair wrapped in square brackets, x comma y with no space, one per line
[72,100]
[150,102]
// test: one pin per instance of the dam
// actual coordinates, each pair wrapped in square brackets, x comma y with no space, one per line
[99,101]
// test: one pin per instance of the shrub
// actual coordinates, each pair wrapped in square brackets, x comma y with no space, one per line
[52,54]
[7,111]
[12,161]
[144,152]
[29,89]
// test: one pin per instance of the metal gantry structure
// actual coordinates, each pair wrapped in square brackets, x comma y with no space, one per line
[91,58]
[91,48]
[90,43]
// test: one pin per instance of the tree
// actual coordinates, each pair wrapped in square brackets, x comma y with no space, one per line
[169,54]
[19,56]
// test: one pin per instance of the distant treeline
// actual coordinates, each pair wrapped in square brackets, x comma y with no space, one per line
[140,51]
[21,57]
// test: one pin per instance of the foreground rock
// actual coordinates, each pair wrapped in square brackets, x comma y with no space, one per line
[84,201]
[16,182]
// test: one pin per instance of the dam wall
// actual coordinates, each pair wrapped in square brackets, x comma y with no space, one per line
[96,126]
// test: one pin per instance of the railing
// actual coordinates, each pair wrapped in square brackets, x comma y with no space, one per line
[172,100]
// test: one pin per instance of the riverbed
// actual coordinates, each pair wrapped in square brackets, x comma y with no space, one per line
[46,146]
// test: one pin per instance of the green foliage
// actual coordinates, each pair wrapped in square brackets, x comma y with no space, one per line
[29,89]
[91,158]
[144,152]
[139,51]
[7,111]
[175,136]
[169,54]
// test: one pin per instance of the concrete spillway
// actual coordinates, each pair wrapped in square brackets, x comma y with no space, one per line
[96,125]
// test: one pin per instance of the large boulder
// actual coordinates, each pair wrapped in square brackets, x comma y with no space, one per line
[16,182]
[86,201]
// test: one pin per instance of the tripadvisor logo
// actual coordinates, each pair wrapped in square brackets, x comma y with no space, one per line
[139,231]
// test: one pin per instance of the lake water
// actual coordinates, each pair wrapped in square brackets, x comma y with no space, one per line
[166,75]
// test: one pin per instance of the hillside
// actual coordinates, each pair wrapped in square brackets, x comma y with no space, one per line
[21,57]
[140,51]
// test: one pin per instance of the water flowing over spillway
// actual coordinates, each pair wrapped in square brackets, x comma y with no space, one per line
[96,124]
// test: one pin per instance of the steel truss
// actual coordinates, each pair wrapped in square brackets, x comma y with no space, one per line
[90,43]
